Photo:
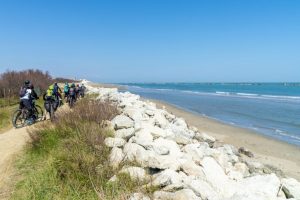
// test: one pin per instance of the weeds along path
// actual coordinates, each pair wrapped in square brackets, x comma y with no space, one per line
[11,143]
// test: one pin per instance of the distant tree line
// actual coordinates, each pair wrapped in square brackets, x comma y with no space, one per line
[11,81]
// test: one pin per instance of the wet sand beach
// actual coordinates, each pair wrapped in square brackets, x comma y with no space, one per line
[266,150]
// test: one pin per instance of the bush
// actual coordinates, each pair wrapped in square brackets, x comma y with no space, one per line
[68,159]
[11,81]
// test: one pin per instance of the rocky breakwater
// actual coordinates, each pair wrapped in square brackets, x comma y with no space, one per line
[182,162]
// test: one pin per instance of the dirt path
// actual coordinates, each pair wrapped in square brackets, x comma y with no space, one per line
[11,143]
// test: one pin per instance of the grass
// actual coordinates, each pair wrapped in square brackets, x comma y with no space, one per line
[68,159]
[4,117]
[5,102]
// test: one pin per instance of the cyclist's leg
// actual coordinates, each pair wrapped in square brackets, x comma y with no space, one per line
[28,106]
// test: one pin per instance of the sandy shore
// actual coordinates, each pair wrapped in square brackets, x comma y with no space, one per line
[266,150]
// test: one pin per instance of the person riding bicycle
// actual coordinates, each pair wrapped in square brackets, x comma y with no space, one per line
[82,90]
[27,95]
[50,99]
[56,91]
[66,90]
[72,92]
[77,91]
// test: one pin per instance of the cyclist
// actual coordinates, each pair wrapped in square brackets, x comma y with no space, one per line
[77,91]
[27,95]
[66,90]
[50,100]
[82,90]
[57,91]
[72,92]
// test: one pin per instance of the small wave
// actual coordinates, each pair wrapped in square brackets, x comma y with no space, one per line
[193,92]
[282,97]
[133,86]
[247,94]
[163,89]
[223,93]
[227,94]
[280,132]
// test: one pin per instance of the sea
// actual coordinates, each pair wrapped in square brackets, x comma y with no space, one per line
[271,109]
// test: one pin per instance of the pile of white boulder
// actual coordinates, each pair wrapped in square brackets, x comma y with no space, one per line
[182,162]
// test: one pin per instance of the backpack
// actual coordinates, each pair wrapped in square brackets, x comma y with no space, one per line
[49,93]
[66,88]
[22,91]
[72,91]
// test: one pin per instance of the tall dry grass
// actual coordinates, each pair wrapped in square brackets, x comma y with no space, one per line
[68,159]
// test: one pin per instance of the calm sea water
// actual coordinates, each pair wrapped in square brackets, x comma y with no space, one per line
[272,109]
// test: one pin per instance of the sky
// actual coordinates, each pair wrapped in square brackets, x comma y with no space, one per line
[153,40]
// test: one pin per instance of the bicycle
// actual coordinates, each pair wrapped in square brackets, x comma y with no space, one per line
[49,105]
[20,116]
[71,101]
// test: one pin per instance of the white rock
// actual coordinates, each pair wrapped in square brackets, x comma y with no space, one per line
[162,162]
[116,157]
[185,194]
[134,113]
[197,151]
[143,138]
[138,196]
[125,133]
[166,177]
[217,178]
[170,117]
[174,187]
[169,145]
[136,173]
[192,169]
[149,112]
[181,135]
[122,121]
[203,137]
[161,150]
[225,159]
[178,136]
[180,122]
[252,197]
[114,142]
[162,195]
[160,120]
[157,132]
[134,152]
[293,186]
[240,168]
[203,189]
[262,186]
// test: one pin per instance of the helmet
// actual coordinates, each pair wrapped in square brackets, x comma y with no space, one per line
[27,82]
[73,85]
[66,83]
[51,87]
[55,83]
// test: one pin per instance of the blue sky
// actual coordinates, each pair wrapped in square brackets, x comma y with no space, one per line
[153,40]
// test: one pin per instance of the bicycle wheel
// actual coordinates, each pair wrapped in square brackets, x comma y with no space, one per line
[72,103]
[19,118]
[51,112]
[38,111]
